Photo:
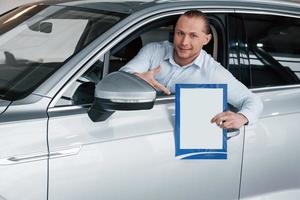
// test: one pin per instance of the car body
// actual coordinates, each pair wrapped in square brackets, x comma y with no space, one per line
[53,53]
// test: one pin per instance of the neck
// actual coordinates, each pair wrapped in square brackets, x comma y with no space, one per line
[183,62]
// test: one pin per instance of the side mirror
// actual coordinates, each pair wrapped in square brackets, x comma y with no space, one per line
[43,27]
[121,91]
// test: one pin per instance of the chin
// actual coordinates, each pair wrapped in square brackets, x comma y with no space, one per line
[183,55]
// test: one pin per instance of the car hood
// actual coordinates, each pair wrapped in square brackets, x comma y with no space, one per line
[3,105]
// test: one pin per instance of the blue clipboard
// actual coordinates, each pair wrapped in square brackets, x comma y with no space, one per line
[195,136]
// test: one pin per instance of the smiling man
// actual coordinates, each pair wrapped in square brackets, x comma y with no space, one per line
[163,64]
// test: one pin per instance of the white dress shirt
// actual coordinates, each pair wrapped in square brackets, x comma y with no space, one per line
[204,70]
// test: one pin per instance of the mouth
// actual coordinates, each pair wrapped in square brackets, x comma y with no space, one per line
[184,49]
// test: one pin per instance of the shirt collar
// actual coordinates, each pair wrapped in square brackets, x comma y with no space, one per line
[169,52]
[199,60]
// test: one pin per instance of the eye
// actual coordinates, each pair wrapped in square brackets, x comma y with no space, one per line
[194,36]
[180,33]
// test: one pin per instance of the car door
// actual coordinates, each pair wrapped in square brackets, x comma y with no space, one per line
[271,156]
[131,154]
[23,151]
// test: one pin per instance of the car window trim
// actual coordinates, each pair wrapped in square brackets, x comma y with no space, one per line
[274,88]
[266,12]
[167,99]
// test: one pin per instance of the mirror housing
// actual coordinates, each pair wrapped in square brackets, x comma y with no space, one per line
[121,91]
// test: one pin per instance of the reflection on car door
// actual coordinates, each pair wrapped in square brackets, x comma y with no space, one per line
[271,156]
[131,155]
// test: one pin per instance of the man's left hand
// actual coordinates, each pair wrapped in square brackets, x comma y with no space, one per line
[229,119]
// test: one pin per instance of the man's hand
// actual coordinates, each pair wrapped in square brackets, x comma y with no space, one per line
[229,119]
[149,77]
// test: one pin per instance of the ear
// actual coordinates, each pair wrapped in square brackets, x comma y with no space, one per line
[207,39]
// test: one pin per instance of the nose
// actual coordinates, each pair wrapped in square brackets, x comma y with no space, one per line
[185,40]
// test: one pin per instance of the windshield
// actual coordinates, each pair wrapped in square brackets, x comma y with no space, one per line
[37,40]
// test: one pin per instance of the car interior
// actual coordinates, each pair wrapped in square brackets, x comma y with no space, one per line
[121,54]
[269,39]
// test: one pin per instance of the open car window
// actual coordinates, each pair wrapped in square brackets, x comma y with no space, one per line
[82,90]
[156,31]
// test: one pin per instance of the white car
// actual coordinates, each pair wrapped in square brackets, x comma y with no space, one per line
[62,138]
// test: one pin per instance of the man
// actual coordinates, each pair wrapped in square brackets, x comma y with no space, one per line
[163,65]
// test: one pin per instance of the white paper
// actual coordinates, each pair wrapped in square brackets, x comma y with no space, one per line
[197,107]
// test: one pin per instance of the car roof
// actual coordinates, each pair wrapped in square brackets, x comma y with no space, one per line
[129,7]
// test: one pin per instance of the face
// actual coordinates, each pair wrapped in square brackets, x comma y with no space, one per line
[189,38]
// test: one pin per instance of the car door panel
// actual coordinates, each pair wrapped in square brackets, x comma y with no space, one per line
[23,155]
[271,165]
[131,155]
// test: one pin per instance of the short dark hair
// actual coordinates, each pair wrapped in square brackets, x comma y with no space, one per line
[198,13]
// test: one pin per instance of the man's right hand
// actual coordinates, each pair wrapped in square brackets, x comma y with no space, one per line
[149,78]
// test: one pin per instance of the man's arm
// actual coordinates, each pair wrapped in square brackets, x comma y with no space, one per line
[149,78]
[249,104]
[141,66]
[230,119]
[141,62]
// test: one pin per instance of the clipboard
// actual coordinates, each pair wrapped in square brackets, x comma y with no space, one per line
[195,136]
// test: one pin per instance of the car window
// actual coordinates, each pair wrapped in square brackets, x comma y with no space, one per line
[37,40]
[274,50]
[82,90]
[128,48]
[160,30]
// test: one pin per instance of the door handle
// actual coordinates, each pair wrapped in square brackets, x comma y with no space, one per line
[22,159]
[65,152]
[43,156]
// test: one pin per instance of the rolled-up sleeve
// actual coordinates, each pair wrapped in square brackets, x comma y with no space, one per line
[141,62]
[239,96]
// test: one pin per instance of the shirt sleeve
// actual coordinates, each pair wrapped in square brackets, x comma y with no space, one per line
[239,96]
[142,61]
